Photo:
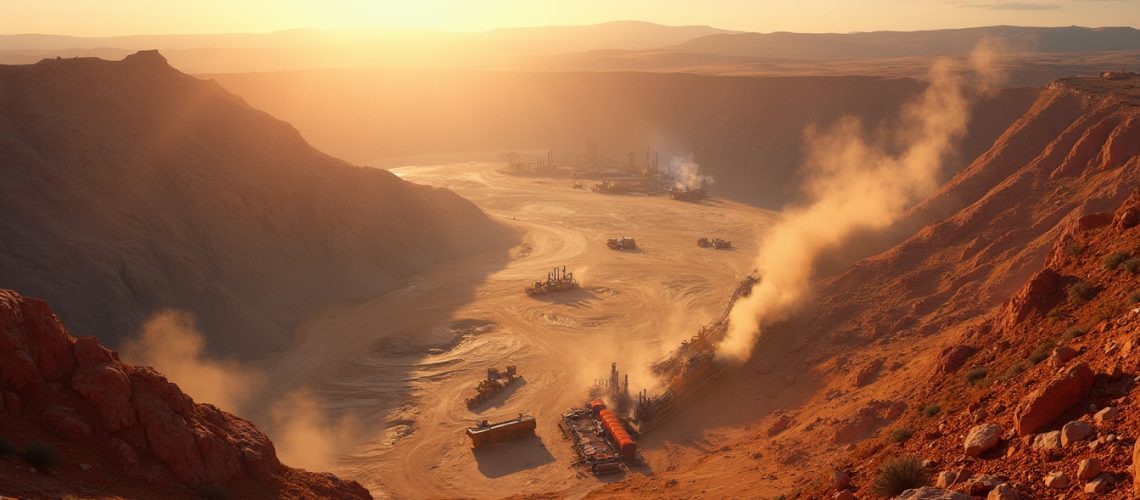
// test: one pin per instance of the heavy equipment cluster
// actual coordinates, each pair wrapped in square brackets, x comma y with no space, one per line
[495,383]
[599,438]
[557,280]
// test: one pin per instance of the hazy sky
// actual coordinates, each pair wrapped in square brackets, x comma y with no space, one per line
[119,17]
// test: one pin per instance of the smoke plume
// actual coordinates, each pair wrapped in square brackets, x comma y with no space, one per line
[686,173]
[856,184]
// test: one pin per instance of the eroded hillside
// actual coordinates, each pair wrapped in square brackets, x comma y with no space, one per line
[909,350]
[131,187]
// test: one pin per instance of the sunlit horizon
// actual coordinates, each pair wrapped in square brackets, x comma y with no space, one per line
[140,18]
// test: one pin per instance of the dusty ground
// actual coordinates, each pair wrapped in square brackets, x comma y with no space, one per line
[393,360]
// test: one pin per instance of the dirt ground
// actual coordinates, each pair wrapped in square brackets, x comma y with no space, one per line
[402,363]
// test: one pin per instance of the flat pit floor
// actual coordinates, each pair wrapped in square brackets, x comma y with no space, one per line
[633,308]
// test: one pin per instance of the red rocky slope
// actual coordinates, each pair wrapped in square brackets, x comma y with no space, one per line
[123,430]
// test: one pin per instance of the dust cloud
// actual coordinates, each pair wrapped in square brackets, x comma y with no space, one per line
[303,433]
[171,343]
[857,183]
[306,436]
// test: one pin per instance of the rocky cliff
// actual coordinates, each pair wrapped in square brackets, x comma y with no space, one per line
[122,430]
[131,187]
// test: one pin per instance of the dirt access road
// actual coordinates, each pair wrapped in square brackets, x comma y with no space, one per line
[403,362]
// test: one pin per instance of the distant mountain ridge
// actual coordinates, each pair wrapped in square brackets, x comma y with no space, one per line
[619,45]
[131,187]
[886,44]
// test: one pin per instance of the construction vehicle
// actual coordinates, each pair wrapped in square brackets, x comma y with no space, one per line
[485,433]
[599,438]
[716,243]
[623,243]
[557,280]
[495,383]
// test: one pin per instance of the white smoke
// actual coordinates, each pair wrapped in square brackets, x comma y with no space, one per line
[685,173]
[856,184]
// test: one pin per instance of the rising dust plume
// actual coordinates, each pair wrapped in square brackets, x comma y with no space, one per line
[303,433]
[856,183]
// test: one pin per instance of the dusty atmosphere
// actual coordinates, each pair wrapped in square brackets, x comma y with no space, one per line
[441,249]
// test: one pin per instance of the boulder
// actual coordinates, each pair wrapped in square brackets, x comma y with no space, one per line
[1106,415]
[840,480]
[1088,469]
[1075,431]
[982,438]
[1047,441]
[945,479]
[929,493]
[1061,355]
[952,358]
[1004,491]
[1047,403]
[1057,480]
[981,485]
[1101,485]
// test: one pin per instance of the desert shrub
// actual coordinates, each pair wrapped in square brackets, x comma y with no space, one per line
[1041,353]
[1055,314]
[1113,260]
[1132,265]
[1081,291]
[213,492]
[1013,371]
[1135,297]
[901,434]
[898,475]
[42,456]
[976,374]
[930,410]
[6,448]
[1074,332]
[1074,249]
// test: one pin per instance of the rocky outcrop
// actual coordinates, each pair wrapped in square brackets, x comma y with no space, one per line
[952,358]
[1047,403]
[89,398]
[1043,291]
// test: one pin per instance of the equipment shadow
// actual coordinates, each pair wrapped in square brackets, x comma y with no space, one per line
[504,459]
